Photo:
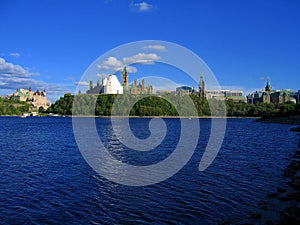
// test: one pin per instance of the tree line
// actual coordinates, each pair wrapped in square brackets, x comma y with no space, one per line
[13,107]
[167,105]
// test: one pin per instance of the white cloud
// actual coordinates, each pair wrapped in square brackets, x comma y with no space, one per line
[141,58]
[15,76]
[9,69]
[155,47]
[82,83]
[15,54]
[102,75]
[131,69]
[141,7]
[112,64]
[17,82]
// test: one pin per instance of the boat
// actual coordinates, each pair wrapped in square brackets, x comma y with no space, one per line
[23,115]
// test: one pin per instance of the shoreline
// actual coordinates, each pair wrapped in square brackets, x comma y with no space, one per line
[293,120]
[285,201]
[141,117]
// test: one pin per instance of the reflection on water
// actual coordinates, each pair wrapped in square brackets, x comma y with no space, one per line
[44,178]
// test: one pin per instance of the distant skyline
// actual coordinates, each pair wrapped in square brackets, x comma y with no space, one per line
[50,44]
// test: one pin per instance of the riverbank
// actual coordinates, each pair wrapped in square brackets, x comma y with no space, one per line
[285,202]
[165,117]
[283,120]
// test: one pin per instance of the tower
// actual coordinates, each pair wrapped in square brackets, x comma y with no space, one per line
[124,77]
[91,84]
[143,83]
[201,87]
[268,87]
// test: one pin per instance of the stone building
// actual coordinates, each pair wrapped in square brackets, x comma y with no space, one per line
[164,92]
[111,85]
[138,88]
[268,95]
[184,90]
[37,98]
[234,95]
[135,88]
[279,97]
[98,89]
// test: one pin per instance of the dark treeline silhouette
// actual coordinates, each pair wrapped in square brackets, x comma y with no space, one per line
[168,105]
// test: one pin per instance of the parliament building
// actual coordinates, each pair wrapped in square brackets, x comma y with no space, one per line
[111,85]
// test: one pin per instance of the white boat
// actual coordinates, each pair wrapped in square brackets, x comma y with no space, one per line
[23,115]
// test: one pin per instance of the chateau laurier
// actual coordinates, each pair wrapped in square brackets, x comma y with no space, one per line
[37,98]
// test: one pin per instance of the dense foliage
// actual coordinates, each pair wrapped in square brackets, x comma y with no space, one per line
[168,105]
[9,107]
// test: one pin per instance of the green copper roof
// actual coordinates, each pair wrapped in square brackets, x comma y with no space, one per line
[236,97]
[20,94]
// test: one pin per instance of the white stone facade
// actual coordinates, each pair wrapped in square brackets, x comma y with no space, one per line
[112,85]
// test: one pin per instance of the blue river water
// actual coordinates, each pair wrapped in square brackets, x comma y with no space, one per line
[45,180]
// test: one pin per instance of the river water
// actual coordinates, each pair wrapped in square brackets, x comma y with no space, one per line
[45,179]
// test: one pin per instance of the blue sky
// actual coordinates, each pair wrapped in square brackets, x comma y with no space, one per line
[50,44]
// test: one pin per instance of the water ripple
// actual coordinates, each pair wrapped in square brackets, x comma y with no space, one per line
[45,180]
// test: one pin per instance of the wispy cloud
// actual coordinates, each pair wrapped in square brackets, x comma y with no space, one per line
[141,7]
[265,78]
[131,69]
[81,83]
[102,75]
[15,54]
[11,70]
[141,58]
[14,76]
[155,47]
[112,63]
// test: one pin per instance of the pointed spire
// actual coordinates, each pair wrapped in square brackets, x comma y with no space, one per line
[125,76]
[268,87]
[201,87]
